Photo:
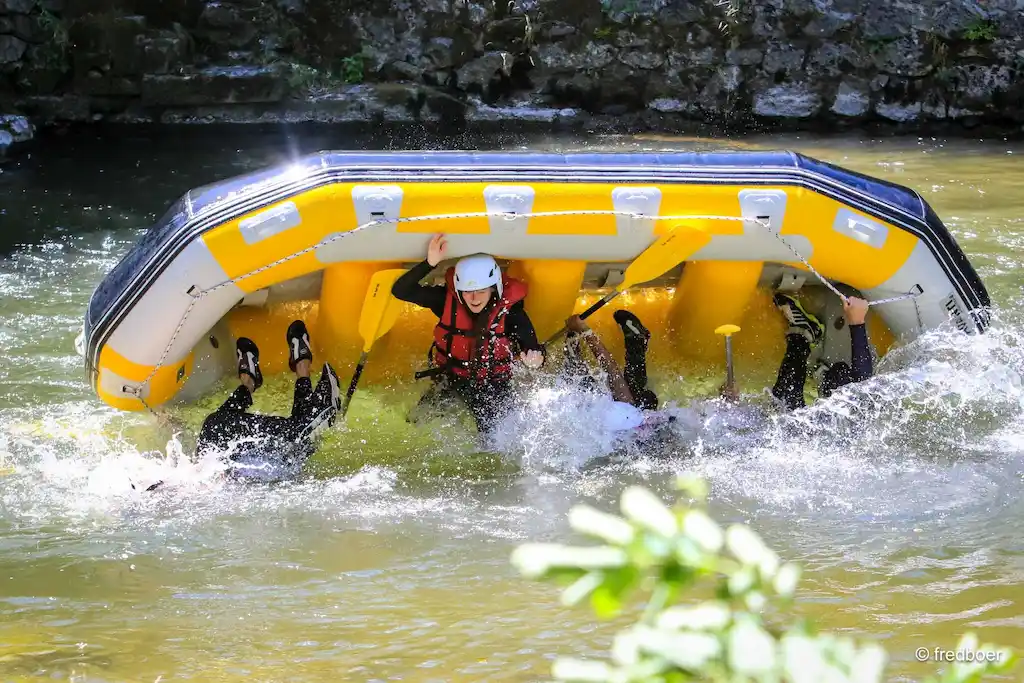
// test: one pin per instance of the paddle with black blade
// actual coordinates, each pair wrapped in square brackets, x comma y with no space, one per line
[666,253]
[380,311]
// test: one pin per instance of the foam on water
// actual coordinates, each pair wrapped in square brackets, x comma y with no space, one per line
[900,495]
[558,426]
[938,424]
[941,414]
[944,399]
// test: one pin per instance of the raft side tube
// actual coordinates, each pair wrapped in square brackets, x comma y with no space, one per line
[224,243]
[234,195]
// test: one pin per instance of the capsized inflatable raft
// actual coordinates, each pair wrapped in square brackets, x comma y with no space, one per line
[247,255]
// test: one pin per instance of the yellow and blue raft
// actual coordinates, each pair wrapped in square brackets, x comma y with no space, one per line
[247,255]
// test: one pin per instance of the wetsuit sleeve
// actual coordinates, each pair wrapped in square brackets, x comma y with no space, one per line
[408,288]
[861,354]
[521,329]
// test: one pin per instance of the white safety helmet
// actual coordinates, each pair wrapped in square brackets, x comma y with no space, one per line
[479,271]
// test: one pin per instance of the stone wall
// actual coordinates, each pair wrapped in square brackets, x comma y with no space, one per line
[656,64]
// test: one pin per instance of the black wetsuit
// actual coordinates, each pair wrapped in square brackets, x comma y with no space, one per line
[649,438]
[789,386]
[634,372]
[487,401]
[271,437]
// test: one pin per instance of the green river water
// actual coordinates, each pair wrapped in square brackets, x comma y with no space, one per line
[903,503]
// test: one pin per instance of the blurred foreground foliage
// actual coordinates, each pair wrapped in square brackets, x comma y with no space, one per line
[667,553]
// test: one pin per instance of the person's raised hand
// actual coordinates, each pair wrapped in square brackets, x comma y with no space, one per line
[855,310]
[436,249]
[574,323]
[532,359]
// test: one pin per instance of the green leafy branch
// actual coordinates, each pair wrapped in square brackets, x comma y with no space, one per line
[981,30]
[665,552]
[351,69]
[308,80]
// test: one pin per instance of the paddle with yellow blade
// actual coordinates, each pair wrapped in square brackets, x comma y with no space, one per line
[380,311]
[730,377]
[666,253]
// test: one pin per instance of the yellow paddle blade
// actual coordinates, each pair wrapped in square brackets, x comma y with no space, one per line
[727,330]
[380,309]
[666,253]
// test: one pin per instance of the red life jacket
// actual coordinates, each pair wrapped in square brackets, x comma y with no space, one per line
[453,335]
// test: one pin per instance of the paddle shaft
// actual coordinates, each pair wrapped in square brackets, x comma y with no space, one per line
[730,377]
[355,380]
[585,314]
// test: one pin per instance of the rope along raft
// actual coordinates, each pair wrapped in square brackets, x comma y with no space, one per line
[200,294]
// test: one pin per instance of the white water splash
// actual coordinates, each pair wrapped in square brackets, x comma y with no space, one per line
[884,447]
[558,426]
[877,449]
[947,397]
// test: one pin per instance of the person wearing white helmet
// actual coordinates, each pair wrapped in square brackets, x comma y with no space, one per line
[633,406]
[482,329]
[629,385]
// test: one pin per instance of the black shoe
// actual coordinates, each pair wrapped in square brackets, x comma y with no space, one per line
[800,321]
[326,400]
[298,344]
[249,360]
[329,378]
[632,328]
